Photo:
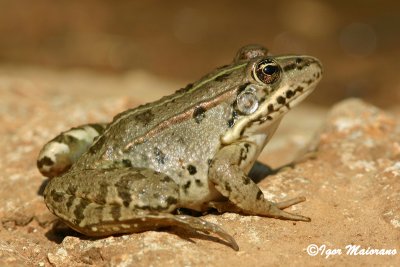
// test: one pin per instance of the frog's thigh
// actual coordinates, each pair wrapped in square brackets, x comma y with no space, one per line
[230,180]
[100,202]
[61,152]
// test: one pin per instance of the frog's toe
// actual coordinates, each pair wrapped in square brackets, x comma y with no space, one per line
[290,202]
[276,212]
[206,227]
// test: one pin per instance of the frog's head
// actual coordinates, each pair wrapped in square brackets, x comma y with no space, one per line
[274,84]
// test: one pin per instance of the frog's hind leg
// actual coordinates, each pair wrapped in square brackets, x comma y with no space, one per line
[58,155]
[148,222]
[122,200]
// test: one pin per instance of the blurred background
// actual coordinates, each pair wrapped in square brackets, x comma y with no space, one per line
[357,41]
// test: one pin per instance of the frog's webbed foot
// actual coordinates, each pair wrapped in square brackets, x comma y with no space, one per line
[193,223]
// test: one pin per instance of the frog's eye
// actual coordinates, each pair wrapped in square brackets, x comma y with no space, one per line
[266,71]
[247,101]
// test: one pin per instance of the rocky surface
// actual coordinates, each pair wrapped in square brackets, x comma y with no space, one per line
[348,168]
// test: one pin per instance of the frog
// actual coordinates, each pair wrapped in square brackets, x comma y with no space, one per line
[189,151]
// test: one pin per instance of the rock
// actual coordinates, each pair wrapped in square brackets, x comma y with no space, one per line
[350,176]
[362,145]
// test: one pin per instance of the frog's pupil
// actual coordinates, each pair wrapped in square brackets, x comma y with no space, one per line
[269,69]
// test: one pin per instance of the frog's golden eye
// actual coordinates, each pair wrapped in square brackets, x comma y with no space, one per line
[267,71]
[247,101]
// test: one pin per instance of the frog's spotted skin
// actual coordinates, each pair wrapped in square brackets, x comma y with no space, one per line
[191,150]
[59,154]
[94,208]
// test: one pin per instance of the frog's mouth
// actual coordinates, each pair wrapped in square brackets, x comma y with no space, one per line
[284,102]
[278,107]
[288,97]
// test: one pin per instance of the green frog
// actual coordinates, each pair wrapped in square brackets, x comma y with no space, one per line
[191,150]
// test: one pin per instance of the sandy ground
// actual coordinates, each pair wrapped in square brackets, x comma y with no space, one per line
[351,181]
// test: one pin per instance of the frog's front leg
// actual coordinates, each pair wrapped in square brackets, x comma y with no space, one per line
[58,155]
[101,202]
[226,172]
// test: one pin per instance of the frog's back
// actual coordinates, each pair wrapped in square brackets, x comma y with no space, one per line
[185,125]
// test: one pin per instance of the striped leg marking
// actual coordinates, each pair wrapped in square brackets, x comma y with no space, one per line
[58,155]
